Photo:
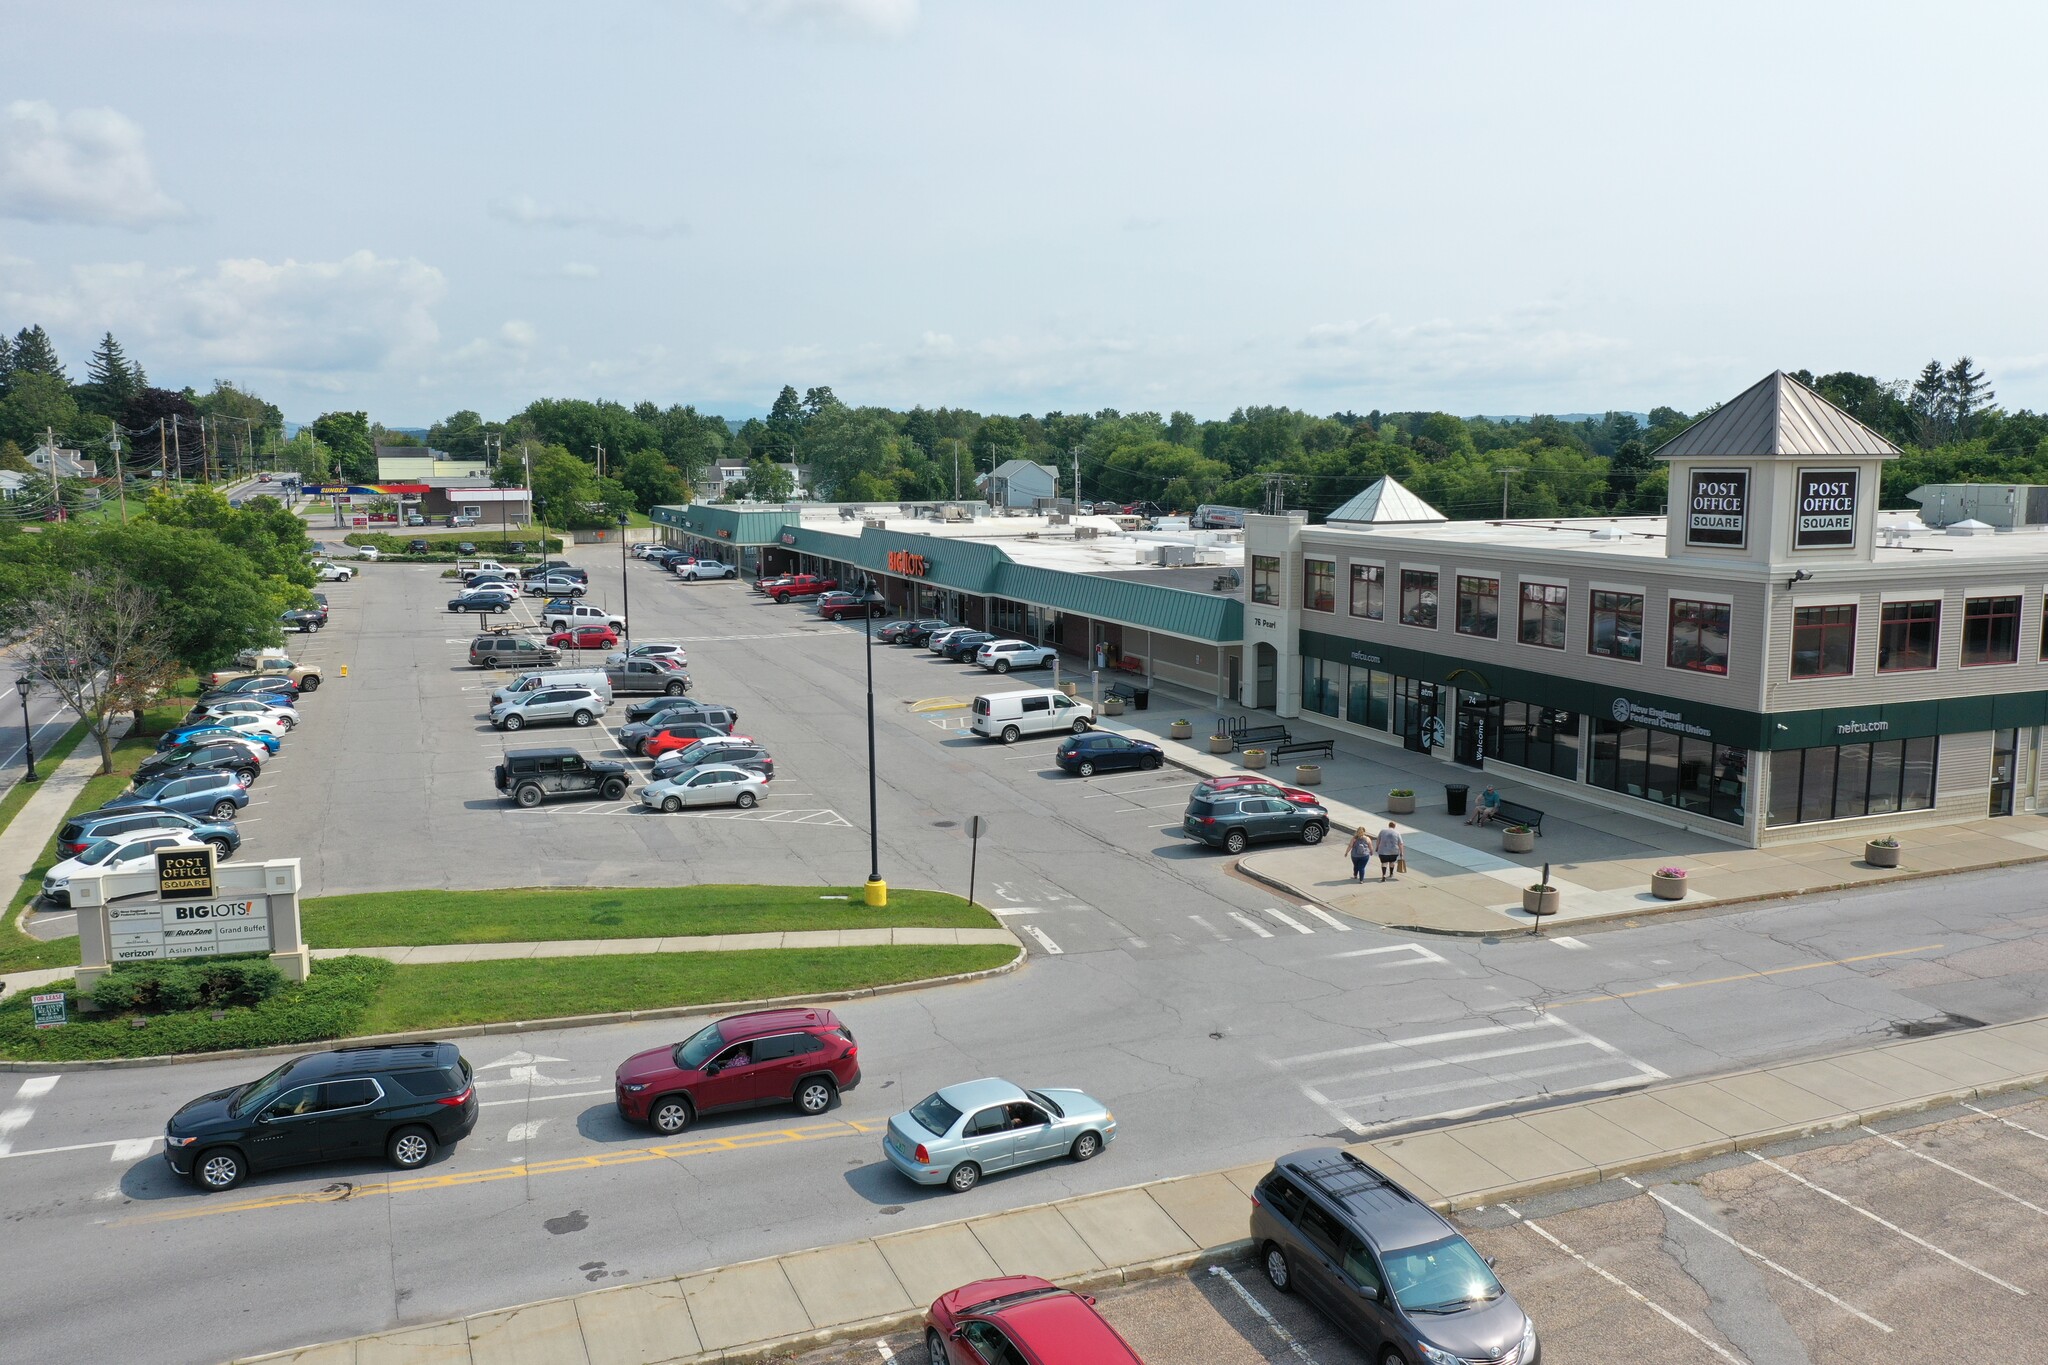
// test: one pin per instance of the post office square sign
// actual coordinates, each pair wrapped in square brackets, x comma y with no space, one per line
[1827,509]
[184,874]
[1717,508]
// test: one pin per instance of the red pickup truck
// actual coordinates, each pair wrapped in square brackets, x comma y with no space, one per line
[801,585]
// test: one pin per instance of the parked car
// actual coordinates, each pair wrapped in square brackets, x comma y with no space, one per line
[582,614]
[1106,753]
[548,705]
[304,620]
[767,584]
[573,675]
[305,677]
[334,573]
[697,570]
[837,606]
[555,566]
[1000,656]
[635,738]
[1020,1320]
[713,784]
[1383,1265]
[919,633]
[955,1136]
[1244,784]
[938,641]
[124,854]
[481,599]
[647,677]
[675,739]
[416,546]
[894,631]
[512,651]
[801,585]
[213,795]
[251,731]
[231,758]
[402,1102]
[650,649]
[256,704]
[465,547]
[1230,822]
[684,708]
[960,645]
[251,685]
[804,1057]
[556,585]
[584,637]
[501,581]
[1009,716]
[369,552]
[750,756]
[531,776]
[80,831]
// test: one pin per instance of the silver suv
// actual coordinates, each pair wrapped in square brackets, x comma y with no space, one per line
[543,705]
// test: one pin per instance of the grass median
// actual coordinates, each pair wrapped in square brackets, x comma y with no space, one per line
[46,763]
[536,914]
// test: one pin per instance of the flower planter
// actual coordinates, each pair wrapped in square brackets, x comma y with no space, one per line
[1400,803]
[1881,855]
[1309,774]
[1113,706]
[1181,729]
[1539,900]
[1068,688]
[1254,758]
[1667,888]
[1518,841]
[1220,744]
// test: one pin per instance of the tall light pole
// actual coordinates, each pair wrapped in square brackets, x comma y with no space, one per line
[28,732]
[625,584]
[877,890]
[1505,475]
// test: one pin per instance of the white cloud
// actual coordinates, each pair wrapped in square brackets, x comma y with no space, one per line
[517,333]
[881,18]
[580,270]
[87,166]
[523,210]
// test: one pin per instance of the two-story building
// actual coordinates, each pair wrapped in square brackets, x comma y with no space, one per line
[1773,660]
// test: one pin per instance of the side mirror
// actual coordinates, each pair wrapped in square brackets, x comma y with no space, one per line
[263,1117]
[713,1068]
[1370,1291]
[1490,1262]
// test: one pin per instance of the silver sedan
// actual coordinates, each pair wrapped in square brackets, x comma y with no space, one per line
[957,1135]
[713,784]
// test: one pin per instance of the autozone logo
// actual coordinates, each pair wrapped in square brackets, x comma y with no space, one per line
[904,562]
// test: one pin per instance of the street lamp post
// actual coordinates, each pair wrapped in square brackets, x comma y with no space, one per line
[28,733]
[877,890]
[625,584]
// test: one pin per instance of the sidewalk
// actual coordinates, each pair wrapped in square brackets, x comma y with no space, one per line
[702,943]
[26,837]
[754,1310]
[1460,882]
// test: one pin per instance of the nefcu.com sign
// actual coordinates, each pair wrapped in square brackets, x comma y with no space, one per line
[1827,509]
[1717,508]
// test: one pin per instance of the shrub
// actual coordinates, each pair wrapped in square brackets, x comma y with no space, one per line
[168,987]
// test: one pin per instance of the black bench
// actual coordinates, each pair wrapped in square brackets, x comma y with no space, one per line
[1326,747]
[1140,698]
[1249,736]
[1515,813]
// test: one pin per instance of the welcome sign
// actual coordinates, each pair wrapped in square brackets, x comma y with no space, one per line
[1827,509]
[1717,508]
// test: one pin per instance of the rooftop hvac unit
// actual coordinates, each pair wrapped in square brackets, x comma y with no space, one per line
[1176,556]
[1056,519]
[875,523]
[1085,533]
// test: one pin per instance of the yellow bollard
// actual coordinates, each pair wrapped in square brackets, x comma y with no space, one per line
[344,670]
[877,894]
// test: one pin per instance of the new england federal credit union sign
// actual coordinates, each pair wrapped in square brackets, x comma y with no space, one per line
[1717,508]
[1626,712]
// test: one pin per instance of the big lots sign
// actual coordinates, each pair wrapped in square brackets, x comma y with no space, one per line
[904,562]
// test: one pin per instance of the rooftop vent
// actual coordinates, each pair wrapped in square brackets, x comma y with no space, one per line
[1969,526]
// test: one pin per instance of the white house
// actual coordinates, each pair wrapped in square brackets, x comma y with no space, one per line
[70,463]
[1019,483]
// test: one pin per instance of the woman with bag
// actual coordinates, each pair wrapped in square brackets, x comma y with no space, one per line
[1360,850]
[1391,851]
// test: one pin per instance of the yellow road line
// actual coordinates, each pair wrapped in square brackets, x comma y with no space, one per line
[706,1146]
[1746,976]
[942,704]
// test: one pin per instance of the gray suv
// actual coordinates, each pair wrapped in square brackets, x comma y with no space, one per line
[511,651]
[531,776]
[1230,822]
[579,705]
[1383,1265]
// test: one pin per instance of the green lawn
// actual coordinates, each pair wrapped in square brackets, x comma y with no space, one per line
[18,795]
[382,919]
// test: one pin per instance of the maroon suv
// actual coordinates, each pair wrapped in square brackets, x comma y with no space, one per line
[795,1056]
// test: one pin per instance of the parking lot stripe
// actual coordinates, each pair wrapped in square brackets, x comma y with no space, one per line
[529,1099]
[1567,941]
[1889,1226]
[1290,921]
[1133,791]
[1248,922]
[16,1115]
[1326,917]
[1043,941]
[1265,1315]
[1758,1256]
[2007,1122]
[1659,1309]
[1955,1170]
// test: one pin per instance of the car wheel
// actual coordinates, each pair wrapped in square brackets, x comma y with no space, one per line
[288,723]
[217,1170]
[1313,832]
[1002,665]
[223,810]
[222,850]
[410,1149]
[814,1096]
[672,804]
[964,1178]
[640,748]
[584,718]
[746,800]
[1085,1147]
[935,1349]
[1010,733]
[310,685]
[1234,841]
[515,722]
[613,789]
[1278,1273]
[245,776]
[782,599]
[670,1114]
[674,689]
[1086,769]
[1149,762]
[1081,726]
[528,796]
[1391,1356]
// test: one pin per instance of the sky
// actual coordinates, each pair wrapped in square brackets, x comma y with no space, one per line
[1025,207]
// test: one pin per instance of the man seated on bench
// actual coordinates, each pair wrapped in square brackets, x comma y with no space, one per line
[1487,810]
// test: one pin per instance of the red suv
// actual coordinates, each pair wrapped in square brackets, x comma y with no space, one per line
[795,1056]
[1246,785]
[1021,1318]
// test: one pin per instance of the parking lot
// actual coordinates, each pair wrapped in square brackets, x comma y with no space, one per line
[1916,1240]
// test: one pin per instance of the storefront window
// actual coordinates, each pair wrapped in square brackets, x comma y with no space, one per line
[1369,592]
[1617,626]
[1266,579]
[1991,631]
[1319,584]
[1909,636]
[1699,636]
[1823,642]
[1537,737]
[1542,621]
[1695,775]
[1369,698]
[1418,598]
[1841,783]
[1321,682]
[1479,606]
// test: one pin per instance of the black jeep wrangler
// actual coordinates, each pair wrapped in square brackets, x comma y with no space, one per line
[531,776]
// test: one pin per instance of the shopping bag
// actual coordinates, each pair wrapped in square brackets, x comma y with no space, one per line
[1402,865]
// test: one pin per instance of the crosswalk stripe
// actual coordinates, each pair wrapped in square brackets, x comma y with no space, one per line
[1043,941]
[1326,917]
[1290,921]
[1248,922]
[1214,932]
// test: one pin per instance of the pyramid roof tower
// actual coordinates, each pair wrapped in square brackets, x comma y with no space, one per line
[1386,503]
[1777,415]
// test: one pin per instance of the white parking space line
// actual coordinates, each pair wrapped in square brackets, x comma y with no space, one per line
[1265,1314]
[537,1098]
[1290,921]
[1133,791]
[1326,917]
[1956,1170]
[2007,1122]
[1248,922]
[1759,1257]
[1043,941]
[1417,954]
[1038,909]
[1659,1309]
[1889,1226]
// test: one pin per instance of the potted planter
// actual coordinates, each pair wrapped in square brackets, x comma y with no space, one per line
[1668,883]
[1309,774]
[1067,688]
[1181,729]
[1518,839]
[1112,706]
[1540,899]
[1254,758]
[1221,744]
[1882,852]
[1401,801]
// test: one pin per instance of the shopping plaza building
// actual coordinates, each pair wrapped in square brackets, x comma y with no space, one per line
[1774,660]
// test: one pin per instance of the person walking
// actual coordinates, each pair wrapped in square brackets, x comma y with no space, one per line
[1390,850]
[1360,849]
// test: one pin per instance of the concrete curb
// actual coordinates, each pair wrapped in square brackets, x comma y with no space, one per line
[520,1026]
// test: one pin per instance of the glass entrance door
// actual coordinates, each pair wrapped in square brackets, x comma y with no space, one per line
[2005,748]
[1477,737]
[1418,708]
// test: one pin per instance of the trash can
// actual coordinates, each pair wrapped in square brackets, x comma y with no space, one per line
[1141,698]
[1454,797]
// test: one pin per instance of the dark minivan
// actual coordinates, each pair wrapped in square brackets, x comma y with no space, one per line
[399,1103]
[1383,1265]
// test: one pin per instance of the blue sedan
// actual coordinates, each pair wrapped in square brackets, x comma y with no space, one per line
[208,729]
[957,1135]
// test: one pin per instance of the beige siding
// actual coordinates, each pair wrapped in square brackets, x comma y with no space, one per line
[1947,679]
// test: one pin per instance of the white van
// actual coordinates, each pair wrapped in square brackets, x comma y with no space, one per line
[1009,715]
[592,678]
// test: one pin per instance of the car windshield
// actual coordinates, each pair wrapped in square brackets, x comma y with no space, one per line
[700,1047]
[934,1115]
[1440,1276]
[259,1093]
[1042,1102]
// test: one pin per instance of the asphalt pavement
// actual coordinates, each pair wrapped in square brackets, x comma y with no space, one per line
[1223,1026]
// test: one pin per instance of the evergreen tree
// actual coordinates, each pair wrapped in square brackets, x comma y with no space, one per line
[788,413]
[1930,404]
[34,354]
[112,382]
[1967,395]
[6,360]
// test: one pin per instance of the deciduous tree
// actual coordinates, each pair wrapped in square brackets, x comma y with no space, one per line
[98,642]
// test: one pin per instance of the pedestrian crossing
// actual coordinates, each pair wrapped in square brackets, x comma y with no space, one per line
[1065,925]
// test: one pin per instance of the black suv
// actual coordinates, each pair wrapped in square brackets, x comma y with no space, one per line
[189,758]
[1382,1264]
[401,1103]
[665,709]
[530,776]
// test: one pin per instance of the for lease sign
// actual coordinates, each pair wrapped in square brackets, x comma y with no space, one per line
[1717,508]
[1827,509]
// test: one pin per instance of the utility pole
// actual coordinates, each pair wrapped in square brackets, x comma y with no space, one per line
[1505,475]
[56,489]
[956,469]
[163,456]
[1276,493]
[600,460]
[177,445]
[120,473]
[1075,451]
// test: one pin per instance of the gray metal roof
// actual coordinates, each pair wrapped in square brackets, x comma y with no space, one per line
[1777,415]
[1385,503]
